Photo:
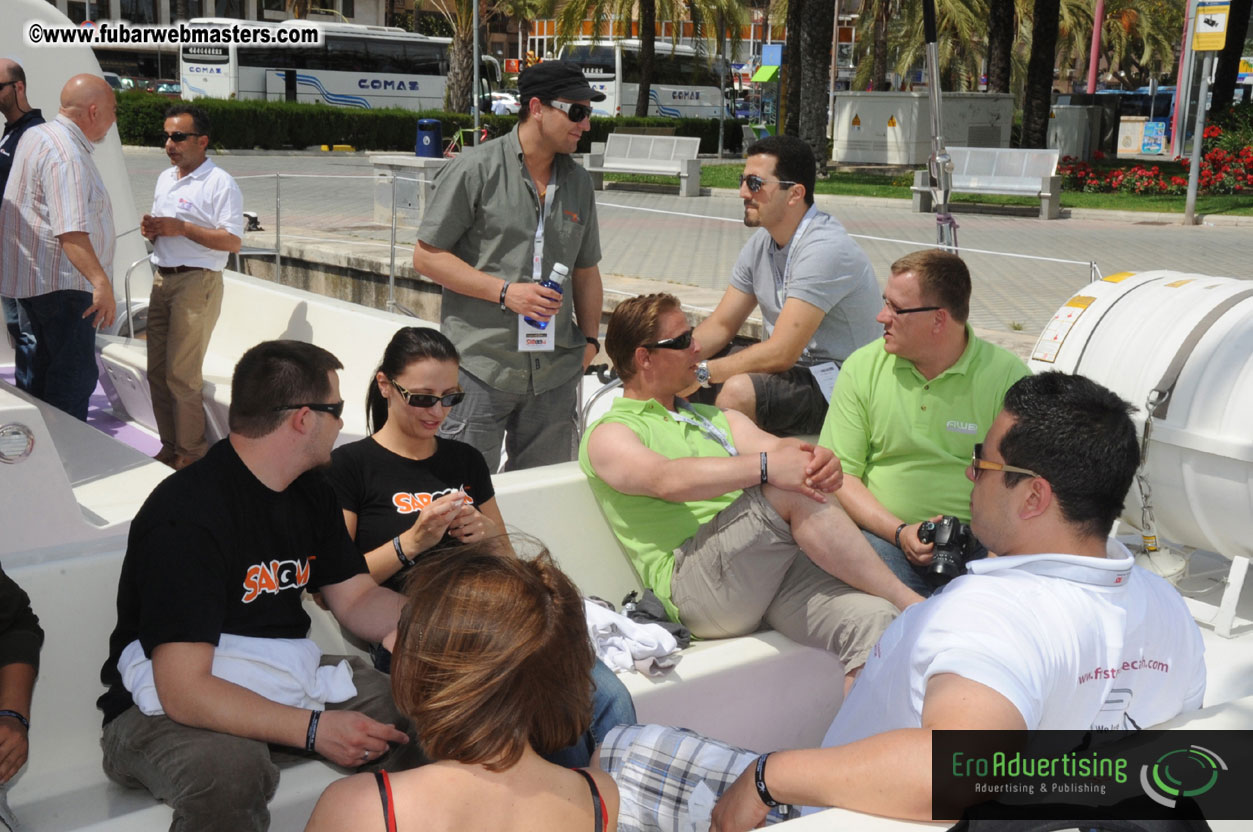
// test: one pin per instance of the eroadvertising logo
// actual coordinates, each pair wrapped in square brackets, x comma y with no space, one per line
[1113,775]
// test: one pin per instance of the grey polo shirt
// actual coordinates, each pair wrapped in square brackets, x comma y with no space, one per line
[485,210]
[828,270]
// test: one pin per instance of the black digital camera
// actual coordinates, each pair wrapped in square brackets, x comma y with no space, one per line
[954,544]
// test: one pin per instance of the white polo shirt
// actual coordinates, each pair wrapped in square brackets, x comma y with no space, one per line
[1073,642]
[207,197]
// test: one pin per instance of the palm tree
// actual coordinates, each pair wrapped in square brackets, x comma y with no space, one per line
[817,27]
[1001,31]
[613,17]
[524,11]
[1037,95]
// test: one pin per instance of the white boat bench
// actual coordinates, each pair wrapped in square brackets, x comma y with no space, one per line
[255,310]
[1007,171]
[661,155]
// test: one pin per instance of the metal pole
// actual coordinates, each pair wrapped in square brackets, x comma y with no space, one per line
[475,96]
[278,228]
[722,92]
[1194,169]
[391,266]
[940,165]
[835,72]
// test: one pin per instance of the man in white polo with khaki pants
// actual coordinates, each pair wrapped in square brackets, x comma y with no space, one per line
[197,220]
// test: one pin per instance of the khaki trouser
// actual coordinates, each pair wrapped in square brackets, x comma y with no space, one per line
[181,315]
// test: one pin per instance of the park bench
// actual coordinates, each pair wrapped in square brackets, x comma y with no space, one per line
[645,131]
[660,155]
[1009,171]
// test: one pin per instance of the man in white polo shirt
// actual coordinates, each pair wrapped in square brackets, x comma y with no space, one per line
[1062,631]
[197,220]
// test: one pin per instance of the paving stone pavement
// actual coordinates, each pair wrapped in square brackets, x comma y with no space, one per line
[692,243]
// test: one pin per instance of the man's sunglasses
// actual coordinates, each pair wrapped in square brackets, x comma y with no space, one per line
[977,463]
[678,342]
[427,399]
[574,112]
[179,136]
[336,409]
[755,183]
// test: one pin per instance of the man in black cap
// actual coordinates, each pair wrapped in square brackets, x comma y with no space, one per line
[504,220]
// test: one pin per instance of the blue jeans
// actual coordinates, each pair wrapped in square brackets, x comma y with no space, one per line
[23,341]
[611,707]
[912,576]
[64,370]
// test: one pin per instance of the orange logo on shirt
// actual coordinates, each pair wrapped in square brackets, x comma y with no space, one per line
[274,577]
[407,503]
[573,216]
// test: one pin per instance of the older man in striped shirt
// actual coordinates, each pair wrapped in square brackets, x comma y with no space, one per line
[57,227]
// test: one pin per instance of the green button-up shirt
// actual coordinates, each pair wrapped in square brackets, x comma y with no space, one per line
[485,210]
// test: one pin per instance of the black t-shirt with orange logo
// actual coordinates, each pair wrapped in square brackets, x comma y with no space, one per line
[214,551]
[387,491]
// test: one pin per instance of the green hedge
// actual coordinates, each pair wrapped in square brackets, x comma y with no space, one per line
[272,125]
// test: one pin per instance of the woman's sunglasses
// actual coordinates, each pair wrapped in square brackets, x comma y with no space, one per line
[427,399]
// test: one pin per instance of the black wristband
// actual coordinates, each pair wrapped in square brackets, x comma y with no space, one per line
[765,475]
[405,560]
[503,288]
[760,778]
[595,342]
[900,529]
[311,735]
[15,715]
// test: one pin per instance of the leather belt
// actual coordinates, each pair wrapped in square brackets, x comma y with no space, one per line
[169,270]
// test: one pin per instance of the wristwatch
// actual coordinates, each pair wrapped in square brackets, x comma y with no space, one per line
[702,374]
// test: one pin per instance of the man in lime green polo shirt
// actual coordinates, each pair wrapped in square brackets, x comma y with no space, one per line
[908,408]
[714,512]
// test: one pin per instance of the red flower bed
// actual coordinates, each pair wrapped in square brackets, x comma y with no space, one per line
[1221,172]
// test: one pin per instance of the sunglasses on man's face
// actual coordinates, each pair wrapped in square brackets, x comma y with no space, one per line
[755,183]
[336,409]
[427,399]
[179,136]
[574,112]
[678,342]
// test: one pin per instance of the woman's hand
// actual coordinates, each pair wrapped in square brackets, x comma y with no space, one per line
[471,525]
[432,523]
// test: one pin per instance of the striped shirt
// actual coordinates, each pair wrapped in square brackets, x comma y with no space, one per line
[54,188]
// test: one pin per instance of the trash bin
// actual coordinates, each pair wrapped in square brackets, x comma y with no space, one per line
[430,141]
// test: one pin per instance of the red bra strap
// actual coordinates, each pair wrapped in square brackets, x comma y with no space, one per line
[385,795]
[599,809]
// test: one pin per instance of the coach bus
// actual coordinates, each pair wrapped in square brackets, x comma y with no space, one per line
[684,85]
[366,67]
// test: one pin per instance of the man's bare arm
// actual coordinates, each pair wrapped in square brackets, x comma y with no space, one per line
[366,609]
[716,331]
[191,695]
[795,328]
[589,299]
[887,774]
[77,246]
[451,272]
[218,239]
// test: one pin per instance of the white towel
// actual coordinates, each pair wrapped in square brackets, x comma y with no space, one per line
[621,642]
[284,670]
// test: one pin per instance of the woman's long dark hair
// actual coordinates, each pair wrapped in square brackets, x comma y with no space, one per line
[410,344]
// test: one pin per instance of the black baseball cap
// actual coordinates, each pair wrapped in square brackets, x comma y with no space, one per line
[556,79]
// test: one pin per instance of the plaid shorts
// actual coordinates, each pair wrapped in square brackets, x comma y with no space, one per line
[656,768]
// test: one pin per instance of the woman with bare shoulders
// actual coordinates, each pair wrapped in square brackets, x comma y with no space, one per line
[493,665]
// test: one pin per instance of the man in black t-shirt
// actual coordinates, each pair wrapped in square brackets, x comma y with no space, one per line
[215,566]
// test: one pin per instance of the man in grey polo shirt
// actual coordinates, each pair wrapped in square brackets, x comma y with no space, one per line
[816,290]
[501,218]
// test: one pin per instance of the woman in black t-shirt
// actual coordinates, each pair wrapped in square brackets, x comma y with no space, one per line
[404,490]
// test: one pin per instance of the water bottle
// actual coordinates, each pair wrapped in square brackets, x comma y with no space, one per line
[553,281]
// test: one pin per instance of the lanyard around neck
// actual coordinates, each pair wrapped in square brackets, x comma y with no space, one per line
[687,414]
[781,280]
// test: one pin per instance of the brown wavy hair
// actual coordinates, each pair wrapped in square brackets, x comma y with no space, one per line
[634,322]
[492,653]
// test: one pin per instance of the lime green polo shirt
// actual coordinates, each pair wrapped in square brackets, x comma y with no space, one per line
[649,528]
[909,439]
